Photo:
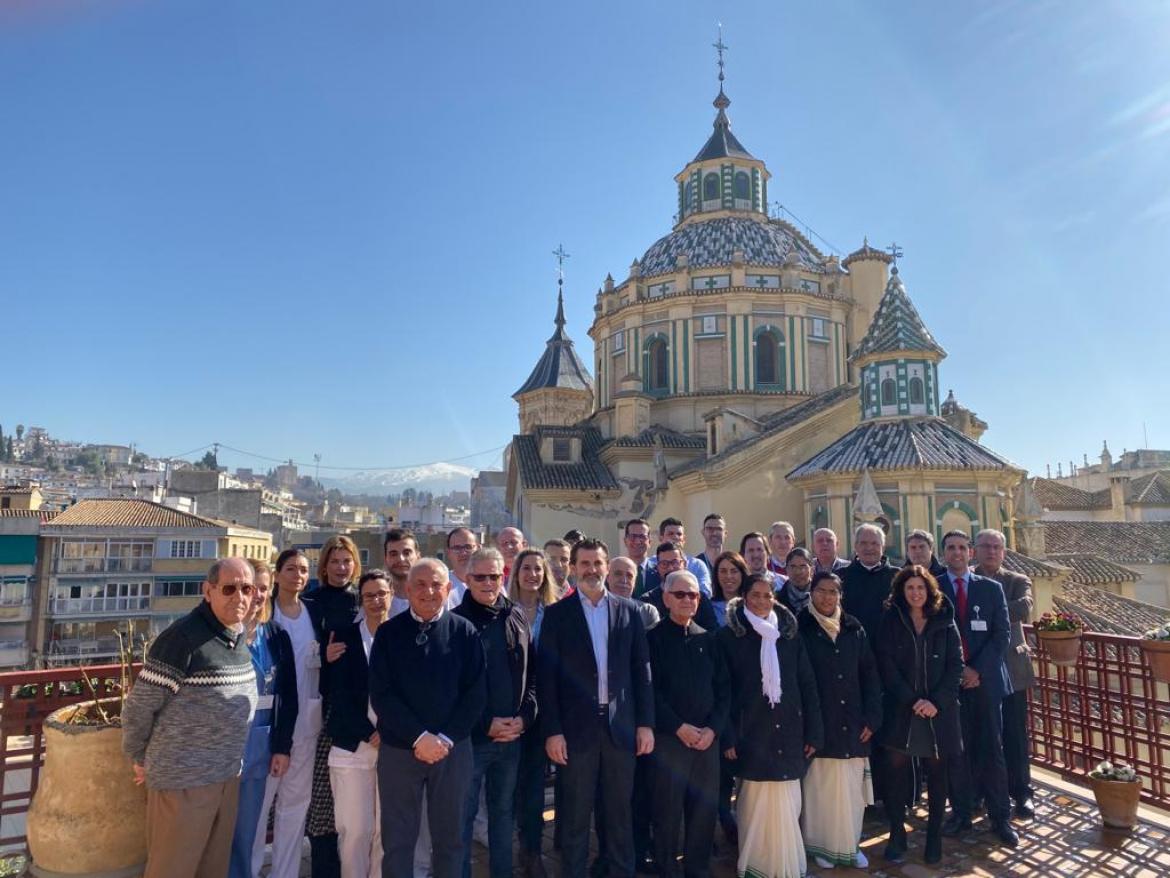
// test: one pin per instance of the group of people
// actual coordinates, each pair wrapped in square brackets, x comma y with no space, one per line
[385,713]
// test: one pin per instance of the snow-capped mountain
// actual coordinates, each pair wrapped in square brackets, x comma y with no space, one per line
[438,478]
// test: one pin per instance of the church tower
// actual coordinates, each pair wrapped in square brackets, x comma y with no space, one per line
[559,392]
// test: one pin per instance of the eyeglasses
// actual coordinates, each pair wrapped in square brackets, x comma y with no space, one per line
[376,596]
[462,547]
[229,588]
[486,577]
[684,595]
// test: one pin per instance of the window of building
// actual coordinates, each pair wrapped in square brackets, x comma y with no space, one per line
[659,365]
[13,590]
[710,187]
[619,341]
[769,363]
[818,328]
[917,395]
[5,502]
[742,186]
[562,450]
[190,588]
[186,548]
[889,391]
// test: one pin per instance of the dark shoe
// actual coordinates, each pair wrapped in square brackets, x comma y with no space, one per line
[1006,834]
[932,853]
[1025,809]
[956,825]
[896,846]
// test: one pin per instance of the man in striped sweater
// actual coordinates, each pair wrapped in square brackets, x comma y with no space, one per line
[185,724]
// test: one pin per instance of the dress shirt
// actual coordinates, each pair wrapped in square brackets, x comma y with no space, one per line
[597,618]
[458,588]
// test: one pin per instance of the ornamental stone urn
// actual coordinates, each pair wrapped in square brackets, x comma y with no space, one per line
[87,816]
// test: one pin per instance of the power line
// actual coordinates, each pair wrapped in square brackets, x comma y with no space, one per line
[253,454]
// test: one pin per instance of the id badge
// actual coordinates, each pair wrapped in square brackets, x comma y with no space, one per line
[978,625]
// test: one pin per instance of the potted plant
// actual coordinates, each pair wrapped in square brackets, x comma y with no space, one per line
[1060,635]
[87,815]
[1155,645]
[1117,789]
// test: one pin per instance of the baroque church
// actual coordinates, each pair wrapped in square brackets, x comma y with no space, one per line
[739,369]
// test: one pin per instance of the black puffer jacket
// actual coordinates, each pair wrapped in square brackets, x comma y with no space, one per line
[769,741]
[848,683]
[927,667]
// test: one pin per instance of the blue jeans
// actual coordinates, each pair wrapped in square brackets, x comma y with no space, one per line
[496,766]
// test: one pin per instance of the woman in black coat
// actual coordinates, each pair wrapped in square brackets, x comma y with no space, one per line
[921,660]
[837,788]
[774,729]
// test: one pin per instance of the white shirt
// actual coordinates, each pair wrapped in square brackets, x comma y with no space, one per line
[458,589]
[307,658]
[597,618]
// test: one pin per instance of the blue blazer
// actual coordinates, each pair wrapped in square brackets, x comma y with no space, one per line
[986,644]
[566,688]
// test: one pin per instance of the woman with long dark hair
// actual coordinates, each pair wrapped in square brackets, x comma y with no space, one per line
[730,572]
[921,662]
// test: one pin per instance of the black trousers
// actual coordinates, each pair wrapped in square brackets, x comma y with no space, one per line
[401,781]
[982,757]
[727,770]
[604,769]
[686,790]
[1015,746]
[640,807]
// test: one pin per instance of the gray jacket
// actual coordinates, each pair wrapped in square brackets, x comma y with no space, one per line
[1017,589]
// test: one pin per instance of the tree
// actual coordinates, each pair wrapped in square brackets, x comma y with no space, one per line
[208,461]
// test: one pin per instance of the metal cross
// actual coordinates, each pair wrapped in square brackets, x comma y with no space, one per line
[561,256]
[895,251]
[719,47]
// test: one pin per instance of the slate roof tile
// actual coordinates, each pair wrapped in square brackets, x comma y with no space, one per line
[1124,542]
[587,474]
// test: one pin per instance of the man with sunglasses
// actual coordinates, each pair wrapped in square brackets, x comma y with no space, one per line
[691,706]
[185,724]
[511,706]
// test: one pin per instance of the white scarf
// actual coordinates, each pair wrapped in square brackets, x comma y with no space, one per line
[769,658]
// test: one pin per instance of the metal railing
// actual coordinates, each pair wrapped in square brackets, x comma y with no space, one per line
[1107,706]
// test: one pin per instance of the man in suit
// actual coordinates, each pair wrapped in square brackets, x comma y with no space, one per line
[636,536]
[1017,590]
[596,708]
[982,616]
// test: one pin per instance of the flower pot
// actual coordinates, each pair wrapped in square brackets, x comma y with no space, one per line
[1117,801]
[87,816]
[1061,647]
[1157,653]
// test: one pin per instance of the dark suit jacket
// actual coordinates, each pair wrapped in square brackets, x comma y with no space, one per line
[349,686]
[567,675]
[704,617]
[1017,591]
[986,645]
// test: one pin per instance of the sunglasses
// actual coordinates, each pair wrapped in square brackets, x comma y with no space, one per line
[230,588]
[486,577]
[684,595]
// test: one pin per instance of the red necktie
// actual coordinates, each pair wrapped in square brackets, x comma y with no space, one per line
[961,599]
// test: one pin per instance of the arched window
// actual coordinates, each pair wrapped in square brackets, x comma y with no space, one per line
[658,372]
[917,396]
[769,358]
[743,186]
[710,187]
[889,392]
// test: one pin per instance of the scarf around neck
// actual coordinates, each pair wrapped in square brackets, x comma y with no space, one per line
[800,599]
[831,624]
[769,632]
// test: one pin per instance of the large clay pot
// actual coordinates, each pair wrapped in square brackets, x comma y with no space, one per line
[1061,647]
[1157,653]
[1117,800]
[87,816]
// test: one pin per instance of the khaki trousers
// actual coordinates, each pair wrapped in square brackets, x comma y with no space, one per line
[189,832]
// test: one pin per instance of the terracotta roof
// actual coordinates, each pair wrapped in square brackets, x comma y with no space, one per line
[670,439]
[896,325]
[906,443]
[1028,566]
[777,423]
[1057,495]
[1092,569]
[1125,542]
[129,513]
[17,490]
[1108,612]
[42,514]
[1152,489]
[588,474]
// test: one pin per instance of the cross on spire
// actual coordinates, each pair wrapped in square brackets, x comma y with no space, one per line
[719,46]
[895,251]
[561,256]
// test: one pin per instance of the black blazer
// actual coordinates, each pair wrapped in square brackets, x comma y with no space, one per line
[349,723]
[704,616]
[567,674]
[284,716]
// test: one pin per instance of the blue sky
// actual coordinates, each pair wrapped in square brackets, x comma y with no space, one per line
[317,228]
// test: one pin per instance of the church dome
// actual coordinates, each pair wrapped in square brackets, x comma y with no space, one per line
[711,243]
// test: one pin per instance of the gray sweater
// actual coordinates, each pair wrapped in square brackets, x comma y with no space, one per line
[186,719]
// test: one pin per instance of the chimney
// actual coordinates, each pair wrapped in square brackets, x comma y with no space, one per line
[1059,470]
[1118,488]
[1048,469]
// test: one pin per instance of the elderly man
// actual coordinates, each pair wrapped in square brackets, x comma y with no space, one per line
[982,617]
[623,574]
[511,706]
[692,698]
[671,530]
[184,726]
[597,708]
[428,689]
[781,541]
[920,551]
[825,552]
[1017,591]
[867,580]
[714,533]
[510,541]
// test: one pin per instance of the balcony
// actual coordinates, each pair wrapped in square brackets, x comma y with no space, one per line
[68,566]
[16,611]
[13,653]
[104,605]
